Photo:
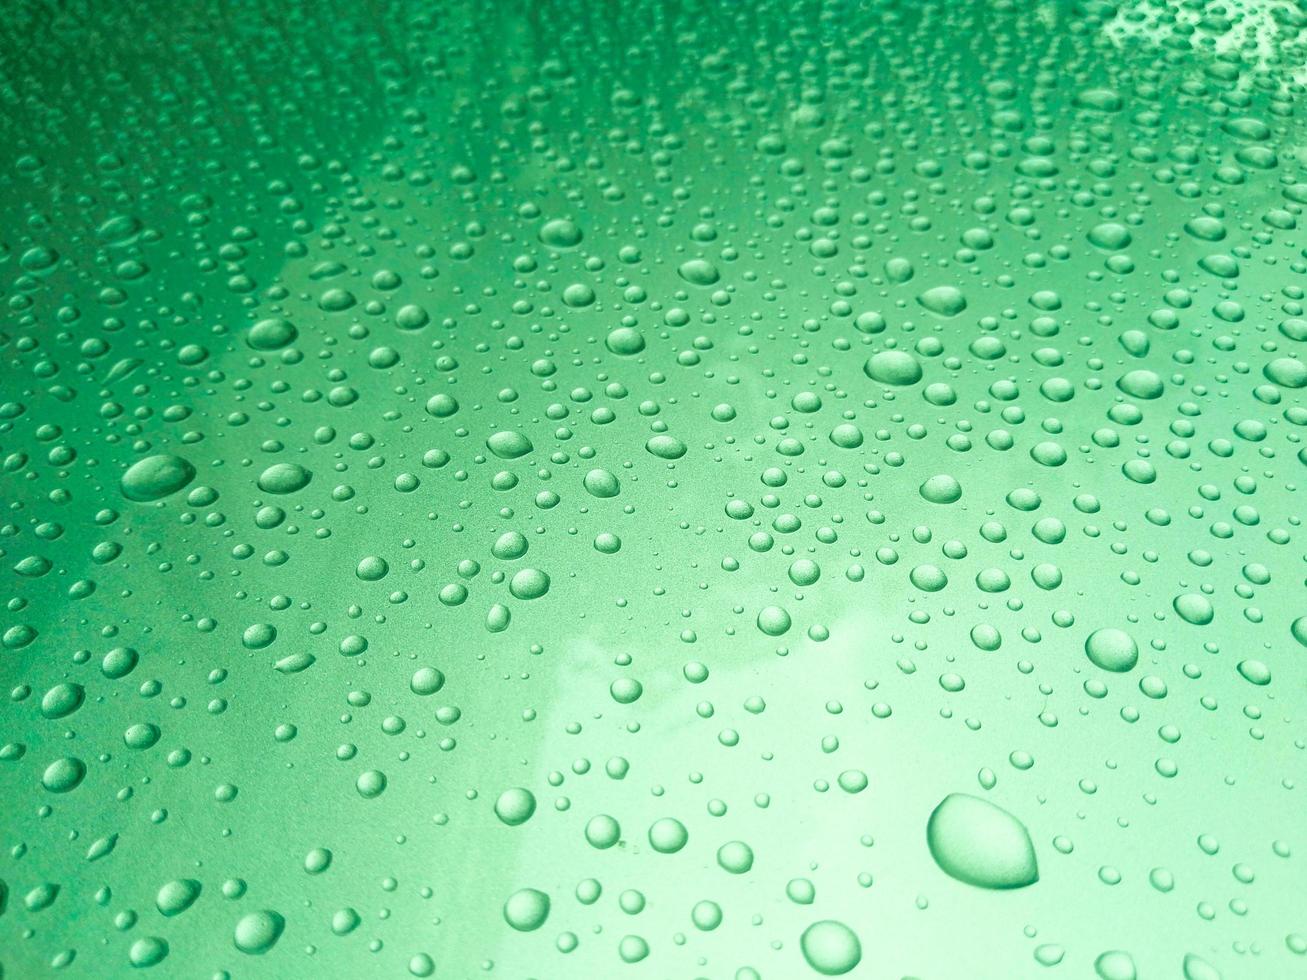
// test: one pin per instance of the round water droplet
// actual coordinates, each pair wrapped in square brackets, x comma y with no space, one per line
[258,932]
[699,272]
[706,915]
[941,489]
[528,583]
[63,775]
[1195,608]
[282,478]
[560,233]
[177,896]
[601,483]
[831,948]
[509,444]
[526,909]
[946,301]
[62,700]
[1115,964]
[515,806]
[668,835]
[156,477]
[632,949]
[665,447]
[1255,672]
[893,367]
[317,860]
[773,620]
[371,784]
[1112,649]
[625,341]
[602,831]
[272,333]
[981,844]
[626,690]
[1287,372]
[148,951]
[736,857]
[426,681]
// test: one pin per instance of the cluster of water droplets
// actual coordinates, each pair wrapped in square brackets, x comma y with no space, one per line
[762,491]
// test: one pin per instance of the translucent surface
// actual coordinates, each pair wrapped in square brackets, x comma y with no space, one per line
[716,490]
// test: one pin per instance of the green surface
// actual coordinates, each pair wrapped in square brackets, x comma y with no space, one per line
[707,490]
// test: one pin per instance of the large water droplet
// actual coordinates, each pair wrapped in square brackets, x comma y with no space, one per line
[831,948]
[156,477]
[981,844]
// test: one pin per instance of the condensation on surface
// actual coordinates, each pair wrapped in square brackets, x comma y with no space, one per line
[742,490]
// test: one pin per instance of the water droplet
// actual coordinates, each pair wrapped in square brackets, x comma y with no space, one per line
[526,909]
[981,844]
[831,948]
[1112,649]
[156,477]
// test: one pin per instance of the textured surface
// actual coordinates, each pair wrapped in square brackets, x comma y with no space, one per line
[569,490]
